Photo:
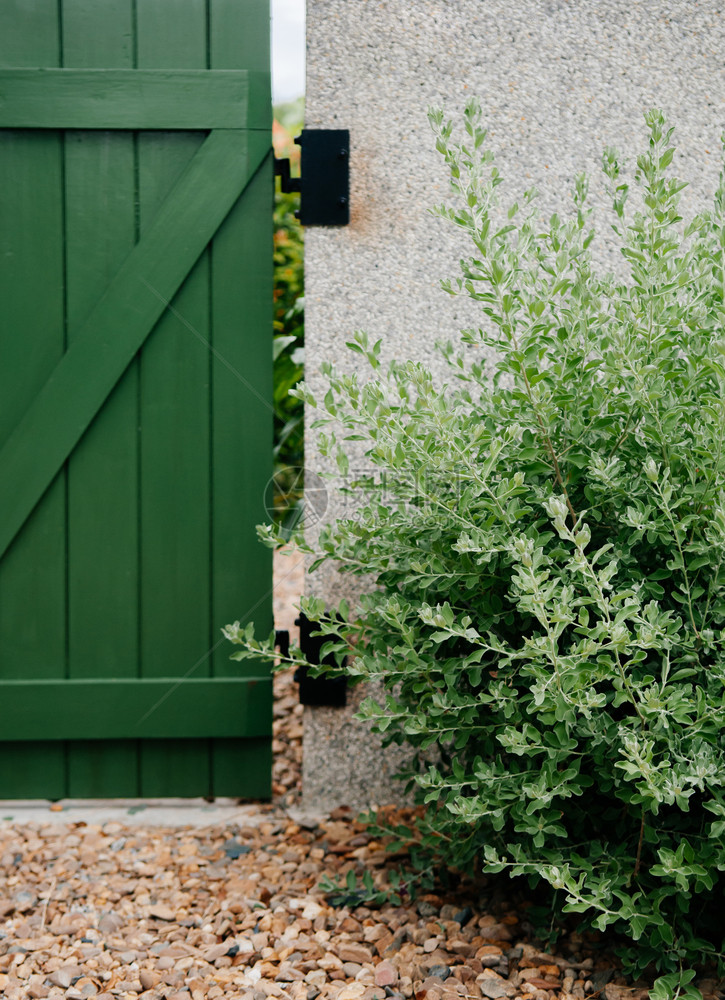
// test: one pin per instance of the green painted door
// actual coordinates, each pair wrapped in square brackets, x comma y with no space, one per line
[135,421]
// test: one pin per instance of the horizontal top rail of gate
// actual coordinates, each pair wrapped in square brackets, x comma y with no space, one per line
[134,99]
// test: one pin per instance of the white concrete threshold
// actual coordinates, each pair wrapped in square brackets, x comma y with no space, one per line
[138,812]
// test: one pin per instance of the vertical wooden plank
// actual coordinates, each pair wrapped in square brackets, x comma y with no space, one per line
[239,36]
[102,769]
[32,770]
[32,574]
[243,768]
[175,768]
[29,33]
[102,472]
[242,421]
[174,414]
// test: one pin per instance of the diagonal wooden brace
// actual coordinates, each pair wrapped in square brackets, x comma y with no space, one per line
[122,320]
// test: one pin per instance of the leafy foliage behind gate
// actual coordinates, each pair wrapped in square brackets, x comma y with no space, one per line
[289,320]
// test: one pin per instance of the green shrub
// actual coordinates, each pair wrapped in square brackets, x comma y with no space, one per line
[547,536]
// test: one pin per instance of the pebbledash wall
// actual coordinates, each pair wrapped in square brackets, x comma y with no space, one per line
[558,80]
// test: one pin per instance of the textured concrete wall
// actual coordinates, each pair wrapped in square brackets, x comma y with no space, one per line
[558,80]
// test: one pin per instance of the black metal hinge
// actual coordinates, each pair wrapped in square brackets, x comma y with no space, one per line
[281,641]
[330,691]
[324,181]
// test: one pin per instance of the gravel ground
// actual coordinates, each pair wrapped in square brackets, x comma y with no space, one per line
[233,910]
[289,573]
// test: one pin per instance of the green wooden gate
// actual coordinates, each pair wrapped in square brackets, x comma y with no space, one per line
[135,425]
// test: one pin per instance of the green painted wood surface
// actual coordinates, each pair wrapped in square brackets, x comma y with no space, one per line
[242,382]
[248,761]
[134,708]
[33,770]
[32,574]
[176,502]
[130,99]
[100,232]
[112,390]
[31,292]
[117,327]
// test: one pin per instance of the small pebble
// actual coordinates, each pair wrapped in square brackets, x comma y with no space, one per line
[463,916]
[385,974]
